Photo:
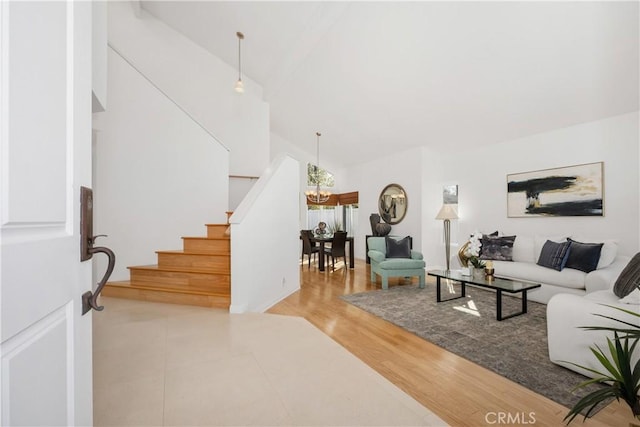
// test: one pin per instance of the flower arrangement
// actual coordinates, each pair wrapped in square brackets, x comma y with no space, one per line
[473,250]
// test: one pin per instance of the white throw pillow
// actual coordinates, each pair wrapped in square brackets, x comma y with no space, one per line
[608,254]
[523,249]
[632,298]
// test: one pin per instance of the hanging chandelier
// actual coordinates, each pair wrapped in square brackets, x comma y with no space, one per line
[316,195]
[239,86]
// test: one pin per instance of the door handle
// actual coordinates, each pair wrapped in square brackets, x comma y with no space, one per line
[90,299]
[87,240]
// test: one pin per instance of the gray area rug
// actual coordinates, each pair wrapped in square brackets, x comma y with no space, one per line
[515,348]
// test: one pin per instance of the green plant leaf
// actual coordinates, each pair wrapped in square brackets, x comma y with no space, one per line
[602,358]
[622,379]
[604,377]
[590,401]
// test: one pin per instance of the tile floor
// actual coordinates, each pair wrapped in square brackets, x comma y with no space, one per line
[162,364]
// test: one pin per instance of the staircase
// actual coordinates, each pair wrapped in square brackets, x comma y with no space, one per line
[200,274]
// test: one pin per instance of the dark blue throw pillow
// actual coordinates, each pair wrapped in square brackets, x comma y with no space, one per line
[398,248]
[584,256]
[554,255]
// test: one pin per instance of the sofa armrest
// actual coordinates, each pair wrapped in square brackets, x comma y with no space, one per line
[376,256]
[416,255]
[604,278]
[568,342]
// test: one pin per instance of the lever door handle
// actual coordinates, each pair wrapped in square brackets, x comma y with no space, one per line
[87,239]
[90,299]
[92,240]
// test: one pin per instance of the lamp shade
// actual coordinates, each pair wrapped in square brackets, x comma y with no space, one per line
[447,211]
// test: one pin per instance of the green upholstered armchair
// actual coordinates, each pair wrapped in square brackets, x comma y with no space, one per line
[393,267]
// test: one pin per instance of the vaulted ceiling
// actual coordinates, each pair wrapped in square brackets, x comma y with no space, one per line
[380,76]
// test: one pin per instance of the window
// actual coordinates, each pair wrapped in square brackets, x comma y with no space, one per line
[324,177]
[345,216]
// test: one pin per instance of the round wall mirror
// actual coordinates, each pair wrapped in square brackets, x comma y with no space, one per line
[392,204]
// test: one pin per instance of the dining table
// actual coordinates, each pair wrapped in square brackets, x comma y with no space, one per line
[323,239]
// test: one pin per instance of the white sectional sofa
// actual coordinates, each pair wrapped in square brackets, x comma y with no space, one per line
[526,251]
[567,313]
[572,298]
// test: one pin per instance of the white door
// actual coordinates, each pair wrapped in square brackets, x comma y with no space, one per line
[45,142]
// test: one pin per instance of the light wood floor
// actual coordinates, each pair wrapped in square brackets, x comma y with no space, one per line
[458,391]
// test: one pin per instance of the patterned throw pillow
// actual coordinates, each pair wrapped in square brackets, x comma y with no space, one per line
[497,248]
[398,248]
[629,279]
[584,256]
[554,255]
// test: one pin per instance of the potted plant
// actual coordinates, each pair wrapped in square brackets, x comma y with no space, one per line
[620,375]
[335,226]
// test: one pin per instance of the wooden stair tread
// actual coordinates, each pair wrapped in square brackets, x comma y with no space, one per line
[205,238]
[173,269]
[128,284]
[198,274]
[183,252]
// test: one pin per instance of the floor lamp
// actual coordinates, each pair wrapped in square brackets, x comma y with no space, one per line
[447,213]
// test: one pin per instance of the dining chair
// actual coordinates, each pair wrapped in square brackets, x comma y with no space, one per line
[308,247]
[337,248]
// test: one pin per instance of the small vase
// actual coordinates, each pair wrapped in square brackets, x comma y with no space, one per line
[478,273]
[382,229]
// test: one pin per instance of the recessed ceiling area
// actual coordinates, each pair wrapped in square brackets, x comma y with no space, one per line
[375,77]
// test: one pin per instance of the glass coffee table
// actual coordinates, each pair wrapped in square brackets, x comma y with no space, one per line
[498,284]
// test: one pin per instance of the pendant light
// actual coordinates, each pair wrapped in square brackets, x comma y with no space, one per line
[316,195]
[239,87]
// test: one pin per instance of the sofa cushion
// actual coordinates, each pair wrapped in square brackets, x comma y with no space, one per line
[398,248]
[583,256]
[603,297]
[497,248]
[629,279]
[632,298]
[566,278]
[609,298]
[401,264]
[554,255]
[523,249]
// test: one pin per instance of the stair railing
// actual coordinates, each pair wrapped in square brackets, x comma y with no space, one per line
[173,101]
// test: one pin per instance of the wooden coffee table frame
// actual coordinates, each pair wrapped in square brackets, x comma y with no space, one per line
[498,284]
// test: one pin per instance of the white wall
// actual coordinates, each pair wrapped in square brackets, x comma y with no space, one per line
[481,177]
[433,246]
[158,175]
[265,243]
[238,189]
[369,179]
[99,55]
[199,82]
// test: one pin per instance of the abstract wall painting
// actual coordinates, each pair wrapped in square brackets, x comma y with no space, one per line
[567,191]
